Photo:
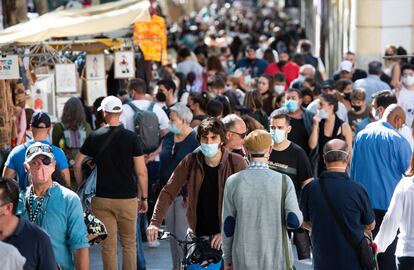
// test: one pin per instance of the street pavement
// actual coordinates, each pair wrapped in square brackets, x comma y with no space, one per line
[160,259]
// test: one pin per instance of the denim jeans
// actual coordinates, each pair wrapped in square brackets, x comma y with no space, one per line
[140,248]
[405,263]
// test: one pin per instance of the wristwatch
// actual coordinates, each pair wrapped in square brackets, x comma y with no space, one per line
[143,198]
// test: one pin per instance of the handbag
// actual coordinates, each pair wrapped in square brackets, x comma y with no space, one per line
[364,249]
[96,228]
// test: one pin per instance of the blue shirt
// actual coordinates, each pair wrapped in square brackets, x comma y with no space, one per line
[371,84]
[172,153]
[34,244]
[331,250]
[16,159]
[62,218]
[256,68]
[380,158]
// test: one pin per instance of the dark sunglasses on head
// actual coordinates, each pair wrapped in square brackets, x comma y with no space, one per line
[35,149]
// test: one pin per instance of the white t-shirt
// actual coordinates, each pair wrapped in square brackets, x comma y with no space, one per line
[406,101]
[11,257]
[342,112]
[127,116]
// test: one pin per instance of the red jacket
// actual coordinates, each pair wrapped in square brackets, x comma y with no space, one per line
[291,70]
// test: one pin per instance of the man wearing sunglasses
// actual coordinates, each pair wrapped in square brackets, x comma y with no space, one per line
[55,208]
[32,242]
[40,125]
[235,132]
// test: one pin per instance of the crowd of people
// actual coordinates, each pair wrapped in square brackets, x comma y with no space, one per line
[245,140]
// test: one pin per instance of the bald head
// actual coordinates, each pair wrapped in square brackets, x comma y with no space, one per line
[335,150]
[395,115]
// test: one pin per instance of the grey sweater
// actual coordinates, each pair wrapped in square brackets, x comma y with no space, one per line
[252,226]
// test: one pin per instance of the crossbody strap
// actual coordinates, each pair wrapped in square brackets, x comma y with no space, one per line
[284,229]
[344,229]
[108,141]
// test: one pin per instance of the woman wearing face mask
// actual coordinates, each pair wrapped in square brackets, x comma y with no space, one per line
[203,174]
[180,141]
[267,89]
[197,102]
[406,95]
[343,93]
[327,126]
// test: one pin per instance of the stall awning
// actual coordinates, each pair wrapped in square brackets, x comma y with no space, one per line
[76,22]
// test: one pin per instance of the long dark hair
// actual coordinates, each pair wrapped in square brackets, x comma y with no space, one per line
[73,115]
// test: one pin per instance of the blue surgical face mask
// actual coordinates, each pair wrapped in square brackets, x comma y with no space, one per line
[278,135]
[301,78]
[174,129]
[292,105]
[323,114]
[209,149]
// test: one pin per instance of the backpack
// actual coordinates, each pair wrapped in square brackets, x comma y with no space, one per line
[74,139]
[146,126]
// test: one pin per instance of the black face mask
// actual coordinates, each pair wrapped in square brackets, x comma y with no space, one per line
[281,63]
[161,97]
[347,96]
[356,108]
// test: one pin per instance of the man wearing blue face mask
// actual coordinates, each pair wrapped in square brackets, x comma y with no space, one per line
[203,173]
[289,158]
[300,121]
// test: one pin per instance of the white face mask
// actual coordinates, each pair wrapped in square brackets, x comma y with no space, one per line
[279,89]
[408,80]
[278,135]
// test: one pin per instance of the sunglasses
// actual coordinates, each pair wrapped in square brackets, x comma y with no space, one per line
[241,135]
[35,149]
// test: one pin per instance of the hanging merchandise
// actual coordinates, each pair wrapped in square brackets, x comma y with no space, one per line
[95,66]
[152,39]
[94,90]
[124,65]
[66,78]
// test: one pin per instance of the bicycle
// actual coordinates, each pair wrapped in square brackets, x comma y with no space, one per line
[198,255]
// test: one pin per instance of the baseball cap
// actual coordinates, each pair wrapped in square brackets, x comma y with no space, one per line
[40,120]
[258,141]
[346,66]
[38,149]
[111,104]
[328,84]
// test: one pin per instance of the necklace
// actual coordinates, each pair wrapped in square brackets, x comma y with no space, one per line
[34,213]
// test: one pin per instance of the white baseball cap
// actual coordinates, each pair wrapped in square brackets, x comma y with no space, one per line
[346,66]
[111,104]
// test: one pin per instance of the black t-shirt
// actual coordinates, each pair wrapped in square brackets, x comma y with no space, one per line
[354,119]
[207,205]
[292,161]
[116,174]
[299,135]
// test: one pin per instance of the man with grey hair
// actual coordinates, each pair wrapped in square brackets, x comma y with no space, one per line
[331,248]
[235,132]
[372,83]
[305,71]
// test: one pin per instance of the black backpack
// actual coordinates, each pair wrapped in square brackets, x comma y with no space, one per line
[146,126]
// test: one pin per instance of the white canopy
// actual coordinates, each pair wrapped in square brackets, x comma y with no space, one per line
[76,22]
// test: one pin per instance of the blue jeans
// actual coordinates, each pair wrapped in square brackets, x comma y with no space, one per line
[140,248]
[405,263]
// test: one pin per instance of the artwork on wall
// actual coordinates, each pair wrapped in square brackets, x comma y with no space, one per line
[95,89]
[9,67]
[66,78]
[124,65]
[95,66]
[43,94]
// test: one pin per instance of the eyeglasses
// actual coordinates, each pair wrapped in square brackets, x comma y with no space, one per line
[241,135]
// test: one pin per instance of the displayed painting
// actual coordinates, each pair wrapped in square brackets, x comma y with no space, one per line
[124,65]
[95,66]
[65,78]
[9,67]
[43,94]
[94,90]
